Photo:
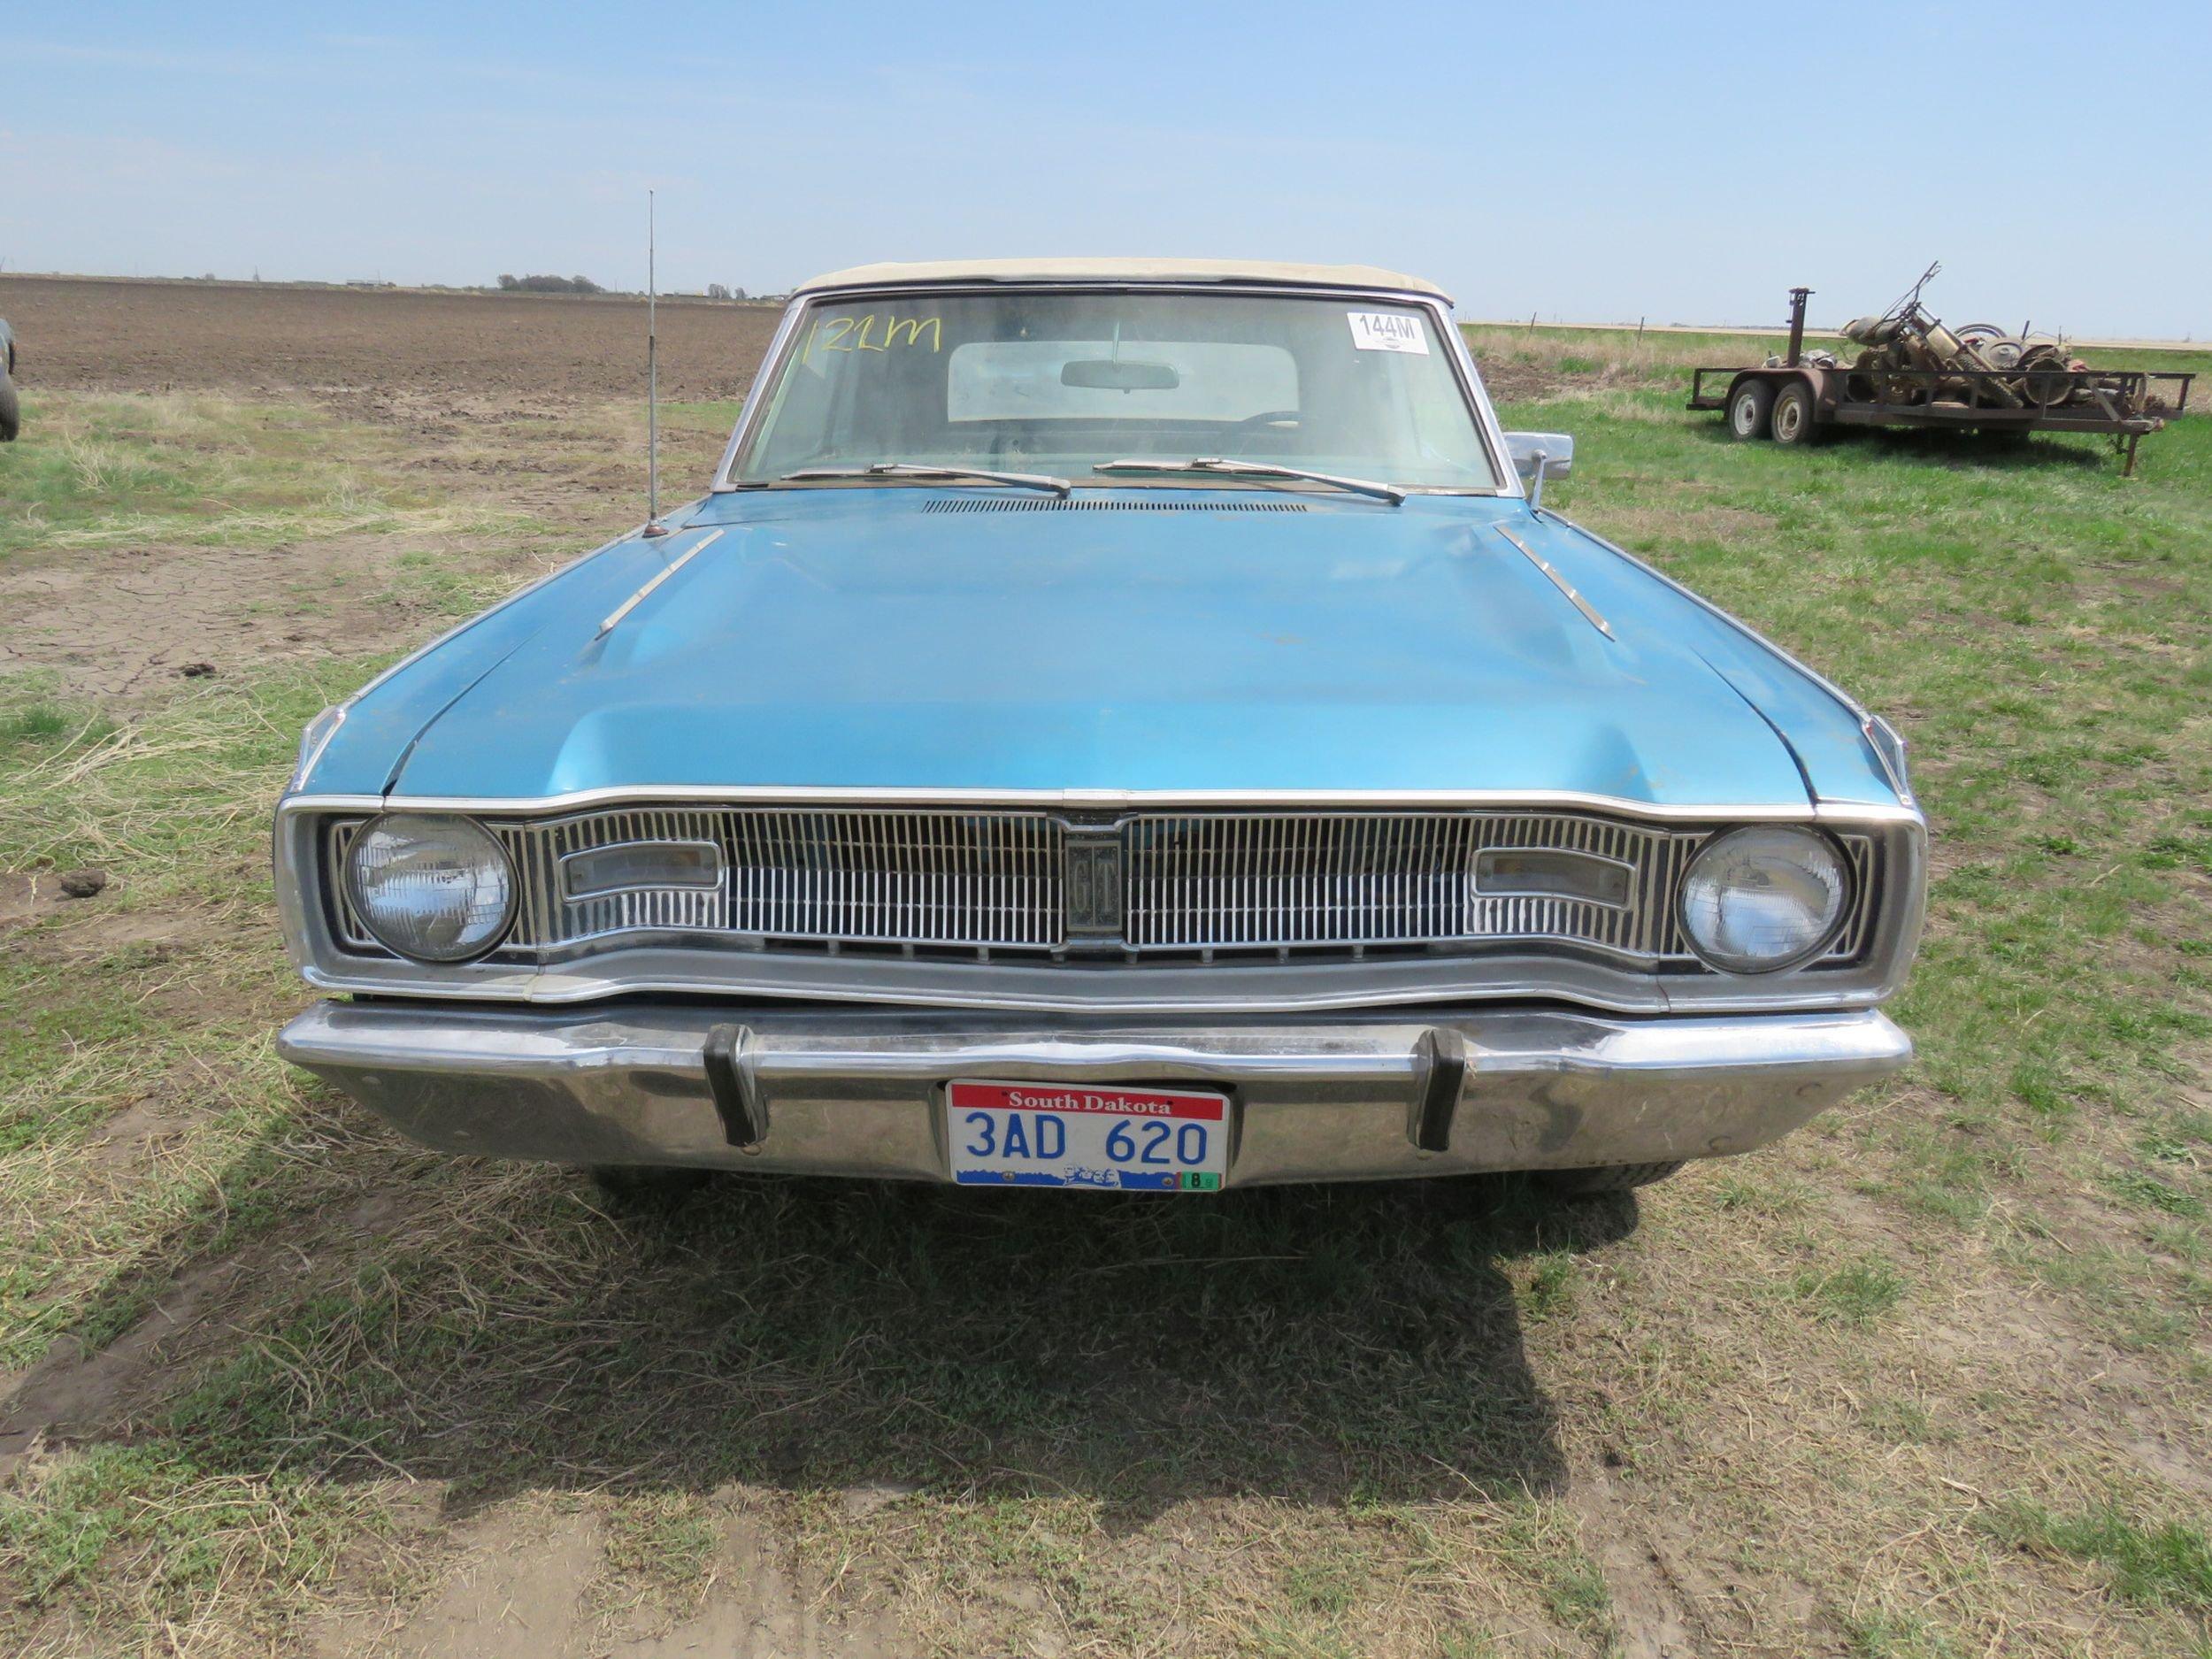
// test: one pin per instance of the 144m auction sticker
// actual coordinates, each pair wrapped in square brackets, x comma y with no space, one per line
[1388,331]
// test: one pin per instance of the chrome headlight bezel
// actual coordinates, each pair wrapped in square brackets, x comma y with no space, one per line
[468,835]
[1728,842]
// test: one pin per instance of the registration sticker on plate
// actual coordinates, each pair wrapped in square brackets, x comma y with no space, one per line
[1049,1134]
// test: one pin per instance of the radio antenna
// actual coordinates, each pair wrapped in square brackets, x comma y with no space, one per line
[653,524]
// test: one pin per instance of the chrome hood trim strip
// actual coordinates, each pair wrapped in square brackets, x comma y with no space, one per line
[1574,597]
[1116,801]
[638,598]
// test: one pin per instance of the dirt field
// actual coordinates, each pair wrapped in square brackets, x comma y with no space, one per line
[1928,1380]
[475,410]
[91,335]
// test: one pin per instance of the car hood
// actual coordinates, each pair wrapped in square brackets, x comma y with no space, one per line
[1130,641]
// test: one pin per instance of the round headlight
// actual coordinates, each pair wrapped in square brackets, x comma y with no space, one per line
[435,888]
[1762,899]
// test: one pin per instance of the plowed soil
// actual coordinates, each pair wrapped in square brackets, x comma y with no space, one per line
[93,335]
[531,406]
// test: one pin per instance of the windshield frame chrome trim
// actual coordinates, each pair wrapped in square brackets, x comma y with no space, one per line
[1471,389]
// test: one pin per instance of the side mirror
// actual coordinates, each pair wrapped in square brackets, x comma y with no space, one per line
[1538,456]
[1556,448]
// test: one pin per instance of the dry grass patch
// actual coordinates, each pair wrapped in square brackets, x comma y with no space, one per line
[1926,1379]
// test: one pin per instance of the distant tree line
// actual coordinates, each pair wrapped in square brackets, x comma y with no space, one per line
[550,284]
[584,285]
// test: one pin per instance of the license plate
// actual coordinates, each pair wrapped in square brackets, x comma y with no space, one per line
[1048,1134]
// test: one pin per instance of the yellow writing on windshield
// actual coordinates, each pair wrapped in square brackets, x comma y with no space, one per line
[914,326]
[861,333]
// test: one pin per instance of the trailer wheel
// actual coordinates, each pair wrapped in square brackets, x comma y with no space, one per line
[1796,420]
[1749,408]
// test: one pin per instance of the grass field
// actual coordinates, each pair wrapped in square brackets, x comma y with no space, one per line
[1929,1379]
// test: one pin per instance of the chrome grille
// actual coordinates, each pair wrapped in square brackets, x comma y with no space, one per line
[896,878]
[549,918]
[1857,931]
[1209,886]
[964,880]
[1241,880]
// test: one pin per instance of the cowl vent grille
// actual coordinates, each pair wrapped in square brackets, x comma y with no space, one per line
[1089,504]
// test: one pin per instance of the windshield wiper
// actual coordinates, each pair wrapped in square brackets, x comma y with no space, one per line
[916,469]
[1390,493]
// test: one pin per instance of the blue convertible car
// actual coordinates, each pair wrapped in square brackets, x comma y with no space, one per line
[1111,723]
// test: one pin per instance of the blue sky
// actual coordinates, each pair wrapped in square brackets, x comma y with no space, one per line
[1591,162]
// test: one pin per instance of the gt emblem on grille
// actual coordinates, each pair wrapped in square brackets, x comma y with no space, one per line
[1094,885]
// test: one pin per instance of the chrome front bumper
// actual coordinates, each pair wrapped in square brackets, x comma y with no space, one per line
[861,1091]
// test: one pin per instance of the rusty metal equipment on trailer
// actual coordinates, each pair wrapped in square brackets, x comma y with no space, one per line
[1912,371]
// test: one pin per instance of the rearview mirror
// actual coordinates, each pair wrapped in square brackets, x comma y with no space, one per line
[1120,375]
[1556,448]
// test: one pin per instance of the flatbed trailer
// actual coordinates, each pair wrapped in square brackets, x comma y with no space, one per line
[1793,400]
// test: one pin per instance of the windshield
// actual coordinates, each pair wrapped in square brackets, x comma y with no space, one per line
[1059,383]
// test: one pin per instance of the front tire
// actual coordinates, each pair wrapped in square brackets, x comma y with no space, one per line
[1750,410]
[1796,421]
[1610,1177]
[11,410]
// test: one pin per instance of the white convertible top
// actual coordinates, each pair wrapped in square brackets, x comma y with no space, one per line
[1263,273]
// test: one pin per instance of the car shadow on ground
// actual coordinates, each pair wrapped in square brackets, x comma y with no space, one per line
[499,1328]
